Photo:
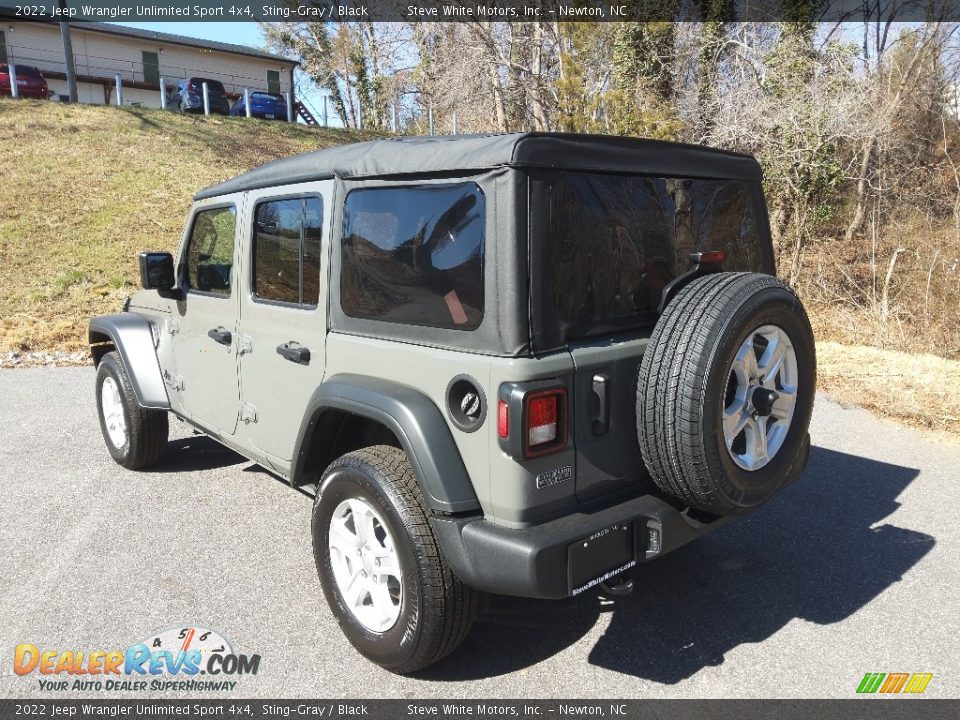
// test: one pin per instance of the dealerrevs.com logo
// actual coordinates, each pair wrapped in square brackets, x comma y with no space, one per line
[894,683]
[183,659]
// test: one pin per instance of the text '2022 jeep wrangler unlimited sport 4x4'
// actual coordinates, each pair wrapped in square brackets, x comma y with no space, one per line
[517,363]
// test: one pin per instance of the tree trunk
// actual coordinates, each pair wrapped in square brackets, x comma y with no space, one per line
[860,210]
[499,105]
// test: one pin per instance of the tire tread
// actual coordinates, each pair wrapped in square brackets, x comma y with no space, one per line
[148,429]
[450,606]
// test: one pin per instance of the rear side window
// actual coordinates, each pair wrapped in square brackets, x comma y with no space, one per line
[210,252]
[414,255]
[286,250]
[616,241]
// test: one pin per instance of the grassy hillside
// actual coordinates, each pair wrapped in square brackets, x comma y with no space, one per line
[86,188]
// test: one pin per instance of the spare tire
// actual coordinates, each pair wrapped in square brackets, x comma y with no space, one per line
[725,392]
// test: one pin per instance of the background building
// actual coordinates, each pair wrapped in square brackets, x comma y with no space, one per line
[141,57]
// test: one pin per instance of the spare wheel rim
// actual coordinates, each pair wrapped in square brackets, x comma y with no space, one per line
[760,397]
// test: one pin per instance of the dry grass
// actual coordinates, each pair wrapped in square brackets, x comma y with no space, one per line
[918,389]
[885,308]
[897,287]
[86,188]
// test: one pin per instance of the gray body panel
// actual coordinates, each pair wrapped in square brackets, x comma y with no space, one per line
[206,371]
[274,389]
[417,423]
[130,334]
[608,454]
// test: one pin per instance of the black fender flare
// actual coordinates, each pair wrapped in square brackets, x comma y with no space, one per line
[416,421]
[131,335]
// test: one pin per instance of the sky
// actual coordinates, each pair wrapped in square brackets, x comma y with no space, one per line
[237,33]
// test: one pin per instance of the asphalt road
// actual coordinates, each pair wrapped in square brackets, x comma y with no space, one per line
[854,569]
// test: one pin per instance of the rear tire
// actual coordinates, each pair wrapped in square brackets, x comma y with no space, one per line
[725,392]
[136,437]
[389,586]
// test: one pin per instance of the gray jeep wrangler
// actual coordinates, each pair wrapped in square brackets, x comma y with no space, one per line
[518,363]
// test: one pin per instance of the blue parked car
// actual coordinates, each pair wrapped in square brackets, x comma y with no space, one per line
[262,105]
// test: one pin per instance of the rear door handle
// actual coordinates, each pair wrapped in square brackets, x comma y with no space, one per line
[600,403]
[294,352]
[221,335]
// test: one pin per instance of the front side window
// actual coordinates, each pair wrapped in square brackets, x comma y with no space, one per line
[414,255]
[210,250]
[616,241]
[286,250]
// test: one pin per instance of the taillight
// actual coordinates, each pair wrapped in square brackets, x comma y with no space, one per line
[544,421]
[708,257]
[532,417]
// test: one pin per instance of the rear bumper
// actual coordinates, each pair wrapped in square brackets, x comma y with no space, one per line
[540,561]
[275,114]
[219,106]
[555,560]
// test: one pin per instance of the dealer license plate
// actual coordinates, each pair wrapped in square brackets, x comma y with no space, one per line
[600,556]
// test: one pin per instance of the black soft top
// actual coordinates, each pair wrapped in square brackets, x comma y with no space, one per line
[419,156]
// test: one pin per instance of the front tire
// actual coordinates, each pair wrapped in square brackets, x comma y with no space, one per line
[136,437]
[381,568]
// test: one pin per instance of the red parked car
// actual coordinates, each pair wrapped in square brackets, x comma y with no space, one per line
[30,82]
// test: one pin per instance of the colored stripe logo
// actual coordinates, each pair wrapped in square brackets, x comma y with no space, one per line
[894,683]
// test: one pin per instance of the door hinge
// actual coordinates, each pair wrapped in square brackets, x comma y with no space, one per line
[248,413]
[173,326]
[244,344]
[173,380]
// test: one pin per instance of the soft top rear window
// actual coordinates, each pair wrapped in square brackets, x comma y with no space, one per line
[615,241]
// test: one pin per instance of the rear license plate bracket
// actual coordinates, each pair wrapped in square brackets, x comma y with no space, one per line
[600,556]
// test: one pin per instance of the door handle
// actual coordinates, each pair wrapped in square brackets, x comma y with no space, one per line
[221,335]
[294,352]
[600,403]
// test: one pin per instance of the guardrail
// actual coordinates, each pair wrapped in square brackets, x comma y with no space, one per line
[125,73]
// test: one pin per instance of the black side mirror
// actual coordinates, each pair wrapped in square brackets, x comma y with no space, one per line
[156,271]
